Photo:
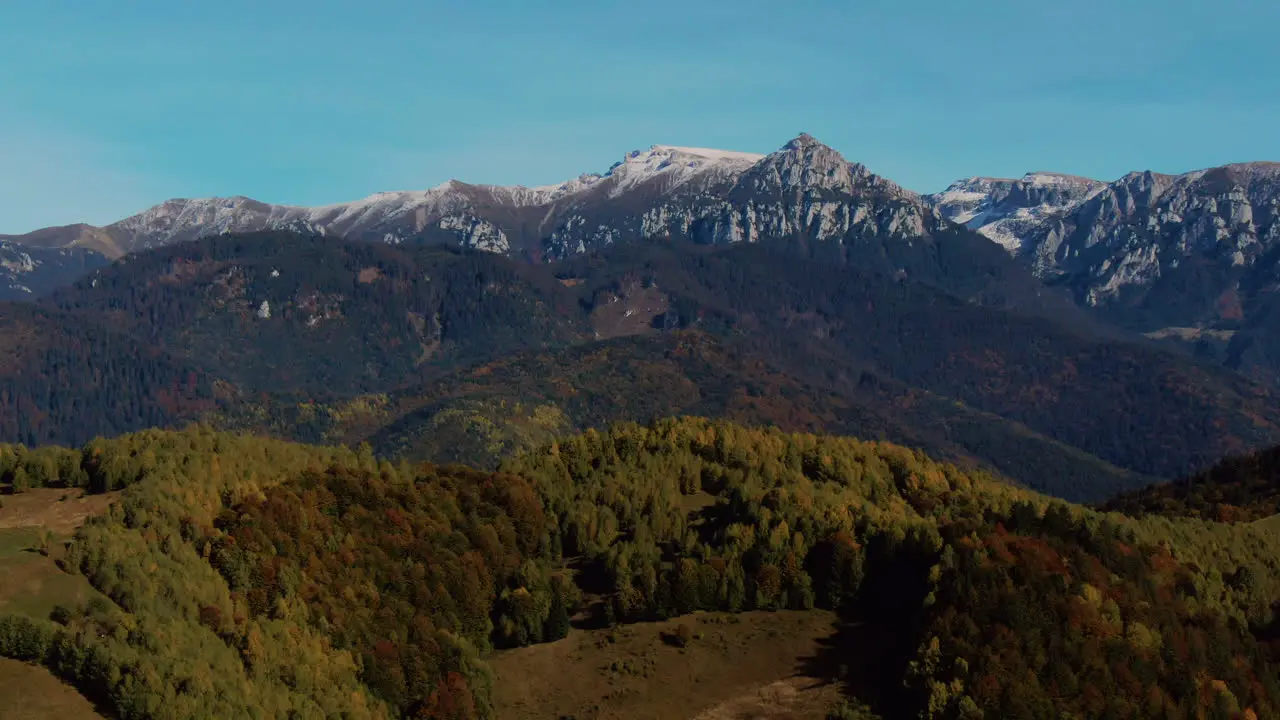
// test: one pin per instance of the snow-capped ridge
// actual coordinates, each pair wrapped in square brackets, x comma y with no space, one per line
[674,165]
[1005,210]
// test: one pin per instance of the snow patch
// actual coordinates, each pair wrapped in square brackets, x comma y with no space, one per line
[675,166]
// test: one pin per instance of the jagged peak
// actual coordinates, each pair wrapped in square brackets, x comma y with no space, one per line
[1147,175]
[807,162]
[804,141]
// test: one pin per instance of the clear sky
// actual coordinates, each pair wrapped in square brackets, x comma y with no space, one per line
[107,108]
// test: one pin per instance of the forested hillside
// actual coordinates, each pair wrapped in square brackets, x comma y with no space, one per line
[64,375]
[253,577]
[1238,489]
[482,414]
[289,313]
[449,354]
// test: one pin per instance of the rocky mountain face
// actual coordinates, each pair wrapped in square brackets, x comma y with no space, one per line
[1182,258]
[709,196]
[1189,259]
[805,197]
[1006,210]
[28,272]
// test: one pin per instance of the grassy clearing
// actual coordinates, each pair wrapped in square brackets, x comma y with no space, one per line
[31,583]
[58,511]
[744,666]
[42,520]
[29,692]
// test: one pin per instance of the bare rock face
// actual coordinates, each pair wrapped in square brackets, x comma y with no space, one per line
[1111,239]
[1147,226]
[805,190]
[700,194]
[1185,258]
[1007,211]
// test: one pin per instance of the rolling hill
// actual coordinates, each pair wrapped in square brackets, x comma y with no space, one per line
[238,576]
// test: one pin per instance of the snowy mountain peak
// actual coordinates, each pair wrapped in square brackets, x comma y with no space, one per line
[729,156]
[1005,209]
[1041,177]
[674,166]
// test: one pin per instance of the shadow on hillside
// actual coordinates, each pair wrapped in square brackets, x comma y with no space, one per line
[877,636]
[866,659]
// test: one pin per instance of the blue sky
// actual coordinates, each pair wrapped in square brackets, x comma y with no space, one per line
[109,107]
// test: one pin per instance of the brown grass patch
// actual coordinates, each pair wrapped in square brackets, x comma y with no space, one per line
[368,275]
[30,692]
[59,511]
[743,666]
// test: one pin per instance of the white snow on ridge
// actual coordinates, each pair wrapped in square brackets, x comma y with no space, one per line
[670,166]
[1053,178]
[711,154]
[676,166]
[1007,210]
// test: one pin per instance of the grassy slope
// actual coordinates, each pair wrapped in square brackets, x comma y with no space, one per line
[748,665]
[32,584]
[30,692]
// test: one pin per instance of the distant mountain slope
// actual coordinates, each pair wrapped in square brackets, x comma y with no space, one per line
[804,196]
[917,340]
[1238,489]
[64,377]
[29,272]
[836,329]
[277,311]
[1138,407]
[1188,259]
[480,414]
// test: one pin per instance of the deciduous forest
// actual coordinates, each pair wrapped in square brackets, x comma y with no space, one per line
[247,577]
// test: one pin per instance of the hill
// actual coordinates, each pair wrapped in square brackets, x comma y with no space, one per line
[1237,489]
[479,415]
[248,576]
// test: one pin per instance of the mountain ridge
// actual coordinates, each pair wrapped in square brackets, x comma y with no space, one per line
[1186,260]
[178,219]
